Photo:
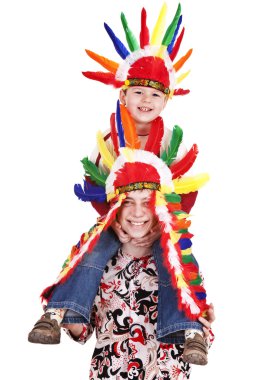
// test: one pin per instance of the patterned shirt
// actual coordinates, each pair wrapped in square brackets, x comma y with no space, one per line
[124,317]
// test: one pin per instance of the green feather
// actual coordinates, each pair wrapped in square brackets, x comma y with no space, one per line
[130,38]
[188,259]
[172,198]
[169,156]
[183,231]
[171,28]
[197,281]
[93,171]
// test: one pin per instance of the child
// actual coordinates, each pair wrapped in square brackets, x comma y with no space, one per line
[72,296]
[148,78]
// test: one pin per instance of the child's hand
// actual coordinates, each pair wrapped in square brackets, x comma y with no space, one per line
[122,236]
[149,239]
[75,329]
[207,322]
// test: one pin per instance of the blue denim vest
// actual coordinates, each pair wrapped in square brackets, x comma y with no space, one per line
[77,294]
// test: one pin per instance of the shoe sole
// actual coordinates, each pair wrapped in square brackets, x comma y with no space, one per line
[36,337]
[195,358]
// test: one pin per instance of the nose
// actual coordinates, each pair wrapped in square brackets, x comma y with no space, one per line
[146,98]
[138,211]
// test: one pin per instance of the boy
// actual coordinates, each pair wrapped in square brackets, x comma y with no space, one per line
[125,308]
[72,297]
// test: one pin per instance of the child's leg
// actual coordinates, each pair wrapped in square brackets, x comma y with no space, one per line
[47,328]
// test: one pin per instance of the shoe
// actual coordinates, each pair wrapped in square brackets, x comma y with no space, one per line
[45,331]
[195,350]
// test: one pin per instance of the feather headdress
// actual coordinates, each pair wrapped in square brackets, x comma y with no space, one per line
[149,61]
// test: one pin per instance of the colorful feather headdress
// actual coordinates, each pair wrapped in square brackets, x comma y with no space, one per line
[148,63]
[140,169]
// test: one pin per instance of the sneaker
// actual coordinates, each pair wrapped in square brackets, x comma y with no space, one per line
[195,350]
[45,331]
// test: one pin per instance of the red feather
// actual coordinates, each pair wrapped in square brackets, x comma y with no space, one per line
[181,167]
[180,91]
[155,136]
[114,136]
[144,32]
[106,78]
[176,47]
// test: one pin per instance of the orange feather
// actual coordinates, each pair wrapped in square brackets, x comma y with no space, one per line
[178,65]
[104,62]
[131,138]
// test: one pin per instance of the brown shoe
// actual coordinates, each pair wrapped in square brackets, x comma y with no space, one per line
[45,331]
[195,350]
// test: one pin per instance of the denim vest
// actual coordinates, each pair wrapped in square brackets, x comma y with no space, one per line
[78,292]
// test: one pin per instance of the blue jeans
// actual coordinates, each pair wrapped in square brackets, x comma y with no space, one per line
[78,292]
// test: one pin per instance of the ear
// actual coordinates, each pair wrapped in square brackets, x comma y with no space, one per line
[122,97]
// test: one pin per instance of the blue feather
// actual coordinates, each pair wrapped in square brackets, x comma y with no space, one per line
[119,46]
[200,296]
[170,46]
[120,129]
[185,243]
[90,192]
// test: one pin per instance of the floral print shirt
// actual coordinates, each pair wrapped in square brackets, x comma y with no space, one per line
[124,317]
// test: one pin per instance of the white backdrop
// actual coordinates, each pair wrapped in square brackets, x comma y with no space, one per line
[49,116]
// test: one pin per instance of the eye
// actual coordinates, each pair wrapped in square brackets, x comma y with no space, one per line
[156,95]
[138,92]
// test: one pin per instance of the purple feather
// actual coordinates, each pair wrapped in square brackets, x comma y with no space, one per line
[90,192]
[170,46]
[119,46]
[120,129]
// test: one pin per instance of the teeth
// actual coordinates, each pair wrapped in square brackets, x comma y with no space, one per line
[145,109]
[137,224]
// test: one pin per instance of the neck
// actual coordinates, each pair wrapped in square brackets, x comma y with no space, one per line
[135,251]
[143,129]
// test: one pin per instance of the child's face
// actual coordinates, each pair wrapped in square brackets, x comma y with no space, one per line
[144,103]
[135,216]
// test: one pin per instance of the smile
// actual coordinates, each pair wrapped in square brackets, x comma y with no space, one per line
[137,223]
[145,109]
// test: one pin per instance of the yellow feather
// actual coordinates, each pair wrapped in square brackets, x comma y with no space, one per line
[175,236]
[106,156]
[158,31]
[187,184]
[186,252]
[182,76]
[181,282]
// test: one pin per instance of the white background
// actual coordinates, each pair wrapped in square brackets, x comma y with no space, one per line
[49,116]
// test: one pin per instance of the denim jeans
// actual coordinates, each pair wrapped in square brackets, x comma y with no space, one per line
[78,292]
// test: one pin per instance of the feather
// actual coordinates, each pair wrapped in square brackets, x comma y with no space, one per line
[90,192]
[106,156]
[159,27]
[178,65]
[170,46]
[181,167]
[114,136]
[119,46]
[169,156]
[129,127]
[172,27]
[144,32]
[187,184]
[172,198]
[180,91]
[93,171]
[119,126]
[176,47]
[104,62]
[130,38]
[182,76]
[107,78]
[156,133]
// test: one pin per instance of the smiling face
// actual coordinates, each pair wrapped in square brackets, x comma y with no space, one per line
[135,216]
[144,103]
